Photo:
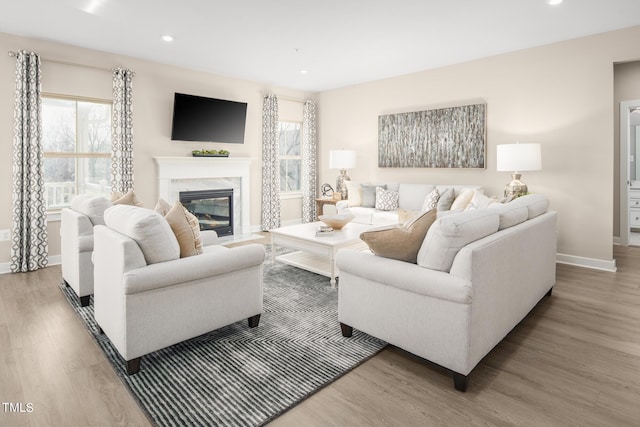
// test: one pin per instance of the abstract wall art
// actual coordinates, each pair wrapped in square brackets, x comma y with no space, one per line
[439,138]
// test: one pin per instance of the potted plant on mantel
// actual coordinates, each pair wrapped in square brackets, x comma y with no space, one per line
[210,153]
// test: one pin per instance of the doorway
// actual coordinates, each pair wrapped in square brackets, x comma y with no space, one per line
[630,173]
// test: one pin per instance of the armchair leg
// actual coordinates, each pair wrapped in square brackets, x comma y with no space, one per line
[84,301]
[460,382]
[254,320]
[549,293]
[133,366]
[347,330]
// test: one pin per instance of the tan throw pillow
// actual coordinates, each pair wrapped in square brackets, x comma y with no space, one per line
[162,207]
[401,243]
[405,216]
[128,199]
[462,200]
[186,228]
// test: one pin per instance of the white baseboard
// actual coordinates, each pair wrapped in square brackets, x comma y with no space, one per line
[592,263]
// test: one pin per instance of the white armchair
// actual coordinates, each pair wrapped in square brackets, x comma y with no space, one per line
[147,298]
[76,241]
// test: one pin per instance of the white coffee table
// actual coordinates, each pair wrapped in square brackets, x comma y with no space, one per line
[316,254]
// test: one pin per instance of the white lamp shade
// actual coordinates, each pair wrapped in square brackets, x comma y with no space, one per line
[519,157]
[342,159]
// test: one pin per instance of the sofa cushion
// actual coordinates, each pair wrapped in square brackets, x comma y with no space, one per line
[451,233]
[186,228]
[536,204]
[148,228]
[411,196]
[386,200]
[401,243]
[405,216]
[510,215]
[92,206]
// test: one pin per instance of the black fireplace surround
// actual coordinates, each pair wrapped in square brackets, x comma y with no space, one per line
[213,208]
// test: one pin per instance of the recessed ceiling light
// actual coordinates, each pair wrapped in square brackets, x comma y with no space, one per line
[167,38]
[554,2]
[303,72]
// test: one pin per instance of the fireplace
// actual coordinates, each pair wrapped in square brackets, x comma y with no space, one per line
[213,208]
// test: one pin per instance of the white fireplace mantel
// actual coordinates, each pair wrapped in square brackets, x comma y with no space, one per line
[173,169]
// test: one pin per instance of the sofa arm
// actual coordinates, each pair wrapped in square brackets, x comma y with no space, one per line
[342,205]
[209,237]
[198,267]
[404,275]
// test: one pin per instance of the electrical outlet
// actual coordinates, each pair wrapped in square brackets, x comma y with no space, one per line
[5,235]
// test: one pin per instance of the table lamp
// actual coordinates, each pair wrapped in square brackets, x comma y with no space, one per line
[517,158]
[343,160]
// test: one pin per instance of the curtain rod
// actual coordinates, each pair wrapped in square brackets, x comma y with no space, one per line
[74,64]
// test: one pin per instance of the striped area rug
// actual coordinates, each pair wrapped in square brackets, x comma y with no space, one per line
[237,376]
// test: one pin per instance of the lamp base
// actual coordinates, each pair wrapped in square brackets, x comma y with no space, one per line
[341,186]
[515,188]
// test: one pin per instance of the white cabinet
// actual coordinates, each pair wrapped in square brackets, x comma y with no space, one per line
[634,208]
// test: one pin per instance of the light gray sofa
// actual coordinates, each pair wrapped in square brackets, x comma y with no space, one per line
[147,297]
[479,273]
[410,197]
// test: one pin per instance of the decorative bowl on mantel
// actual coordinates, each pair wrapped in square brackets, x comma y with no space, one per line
[336,221]
[210,153]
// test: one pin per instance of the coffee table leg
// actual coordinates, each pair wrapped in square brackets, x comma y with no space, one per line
[332,263]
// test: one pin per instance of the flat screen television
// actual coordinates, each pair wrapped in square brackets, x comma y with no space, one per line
[196,118]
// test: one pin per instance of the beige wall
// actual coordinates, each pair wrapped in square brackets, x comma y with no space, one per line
[559,95]
[626,88]
[154,86]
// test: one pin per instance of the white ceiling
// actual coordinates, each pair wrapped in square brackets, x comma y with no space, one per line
[339,42]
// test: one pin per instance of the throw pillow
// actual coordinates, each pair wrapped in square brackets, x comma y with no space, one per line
[462,200]
[405,216]
[129,198]
[431,201]
[162,207]
[369,195]
[479,201]
[401,243]
[354,193]
[386,200]
[186,228]
[446,199]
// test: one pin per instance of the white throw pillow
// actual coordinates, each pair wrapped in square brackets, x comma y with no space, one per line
[91,206]
[354,196]
[386,200]
[446,199]
[462,200]
[431,201]
[451,233]
[479,201]
[148,228]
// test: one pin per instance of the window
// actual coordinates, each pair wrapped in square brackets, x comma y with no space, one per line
[290,135]
[76,142]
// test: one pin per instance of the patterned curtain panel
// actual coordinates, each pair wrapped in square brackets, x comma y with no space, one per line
[309,162]
[270,164]
[122,131]
[29,249]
